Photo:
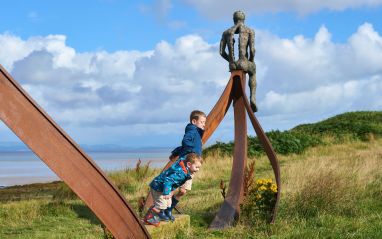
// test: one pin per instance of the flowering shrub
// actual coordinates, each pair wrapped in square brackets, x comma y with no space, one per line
[260,200]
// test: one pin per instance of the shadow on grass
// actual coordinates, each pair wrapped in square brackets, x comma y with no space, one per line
[84,212]
[203,218]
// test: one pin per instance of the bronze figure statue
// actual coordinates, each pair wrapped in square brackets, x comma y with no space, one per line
[246,47]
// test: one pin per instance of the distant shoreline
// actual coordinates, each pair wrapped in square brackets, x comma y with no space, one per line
[10,182]
[21,168]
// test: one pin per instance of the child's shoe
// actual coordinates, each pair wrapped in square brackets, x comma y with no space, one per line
[151,218]
[162,216]
[168,212]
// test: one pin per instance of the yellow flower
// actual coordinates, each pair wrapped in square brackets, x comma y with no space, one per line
[262,188]
[264,182]
[274,188]
[259,181]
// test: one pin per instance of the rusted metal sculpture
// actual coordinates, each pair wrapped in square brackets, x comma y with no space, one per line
[246,49]
[52,145]
[235,92]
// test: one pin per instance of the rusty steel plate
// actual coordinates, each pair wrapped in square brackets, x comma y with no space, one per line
[64,157]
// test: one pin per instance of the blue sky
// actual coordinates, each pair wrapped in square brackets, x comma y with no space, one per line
[129,72]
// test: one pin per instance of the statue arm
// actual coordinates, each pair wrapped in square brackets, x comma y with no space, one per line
[223,44]
[252,46]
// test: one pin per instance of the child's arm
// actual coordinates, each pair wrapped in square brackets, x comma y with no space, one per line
[175,153]
[188,142]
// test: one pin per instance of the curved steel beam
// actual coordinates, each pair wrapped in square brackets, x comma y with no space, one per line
[230,210]
[218,112]
[52,145]
[268,149]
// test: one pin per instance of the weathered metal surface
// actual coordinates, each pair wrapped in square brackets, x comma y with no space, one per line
[218,112]
[269,151]
[230,210]
[52,145]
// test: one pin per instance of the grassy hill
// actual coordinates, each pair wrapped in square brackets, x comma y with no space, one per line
[350,126]
[330,189]
[356,125]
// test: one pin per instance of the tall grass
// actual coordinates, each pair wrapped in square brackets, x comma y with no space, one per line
[331,191]
[326,186]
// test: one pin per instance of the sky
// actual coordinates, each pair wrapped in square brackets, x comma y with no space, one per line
[129,72]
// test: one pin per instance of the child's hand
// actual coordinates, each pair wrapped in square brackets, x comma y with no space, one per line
[173,157]
[166,196]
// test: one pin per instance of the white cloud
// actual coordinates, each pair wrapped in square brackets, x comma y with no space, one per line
[299,79]
[222,9]
[337,97]
[301,64]
[120,88]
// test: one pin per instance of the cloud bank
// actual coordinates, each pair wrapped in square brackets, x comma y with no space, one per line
[299,79]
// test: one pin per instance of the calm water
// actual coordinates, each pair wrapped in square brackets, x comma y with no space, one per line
[25,167]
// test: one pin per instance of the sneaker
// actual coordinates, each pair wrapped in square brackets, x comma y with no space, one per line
[168,213]
[162,216]
[151,218]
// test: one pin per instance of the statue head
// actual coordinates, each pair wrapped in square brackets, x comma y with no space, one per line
[238,16]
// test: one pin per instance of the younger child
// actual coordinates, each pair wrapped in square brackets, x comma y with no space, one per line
[166,182]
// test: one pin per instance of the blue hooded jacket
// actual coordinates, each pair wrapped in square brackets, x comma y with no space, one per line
[191,143]
[171,178]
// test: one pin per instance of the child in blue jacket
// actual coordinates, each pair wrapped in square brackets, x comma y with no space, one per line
[166,182]
[192,139]
[191,143]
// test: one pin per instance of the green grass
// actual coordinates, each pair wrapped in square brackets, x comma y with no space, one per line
[42,218]
[331,190]
[342,128]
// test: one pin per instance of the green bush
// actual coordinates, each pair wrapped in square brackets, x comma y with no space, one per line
[285,142]
[353,125]
[223,148]
[288,142]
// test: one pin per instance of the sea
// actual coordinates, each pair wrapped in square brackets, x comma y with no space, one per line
[19,168]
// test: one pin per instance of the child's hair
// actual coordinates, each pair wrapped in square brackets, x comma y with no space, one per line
[196,114]
[193,158]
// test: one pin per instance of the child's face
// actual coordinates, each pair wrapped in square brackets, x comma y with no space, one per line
[200,123]
[194,167]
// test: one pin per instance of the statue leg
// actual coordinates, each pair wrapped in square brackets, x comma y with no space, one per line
[252,87]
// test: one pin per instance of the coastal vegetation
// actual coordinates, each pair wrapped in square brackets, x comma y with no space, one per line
[331,188]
